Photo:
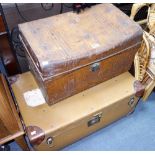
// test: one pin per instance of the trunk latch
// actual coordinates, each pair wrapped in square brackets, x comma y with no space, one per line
[95,67]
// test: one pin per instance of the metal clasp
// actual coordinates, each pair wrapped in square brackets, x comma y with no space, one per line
[96,119]
[131,102]
[49,140]
[95,67]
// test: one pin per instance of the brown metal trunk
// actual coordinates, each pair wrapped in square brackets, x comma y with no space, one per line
[71,52]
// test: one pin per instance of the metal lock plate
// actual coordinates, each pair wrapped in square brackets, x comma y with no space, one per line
[95,67]
[131,102]
[96,119]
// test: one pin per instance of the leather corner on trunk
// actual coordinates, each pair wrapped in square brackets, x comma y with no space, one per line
[139,88]
[36,135]
[13,79]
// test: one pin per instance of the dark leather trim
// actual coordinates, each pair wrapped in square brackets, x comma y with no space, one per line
[35,134]
[139,88]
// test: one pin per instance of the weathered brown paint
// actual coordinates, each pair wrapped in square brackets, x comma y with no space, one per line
[62,48]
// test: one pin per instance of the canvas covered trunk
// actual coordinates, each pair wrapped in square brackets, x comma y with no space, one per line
[53,127]
[70,52]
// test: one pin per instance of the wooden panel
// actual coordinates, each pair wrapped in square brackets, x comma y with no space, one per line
[7,54]
[11,137]
[6,50]
[10,124]
[2,27]
[3,130]
[9,118]
[6,114]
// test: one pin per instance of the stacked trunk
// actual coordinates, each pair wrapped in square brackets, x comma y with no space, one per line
[71,52]
[68,54]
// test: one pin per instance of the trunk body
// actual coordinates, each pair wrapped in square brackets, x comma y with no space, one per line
[53,127]
[71,52]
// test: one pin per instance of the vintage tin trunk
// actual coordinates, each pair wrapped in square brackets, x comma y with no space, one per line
[53,127]
[71,52]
